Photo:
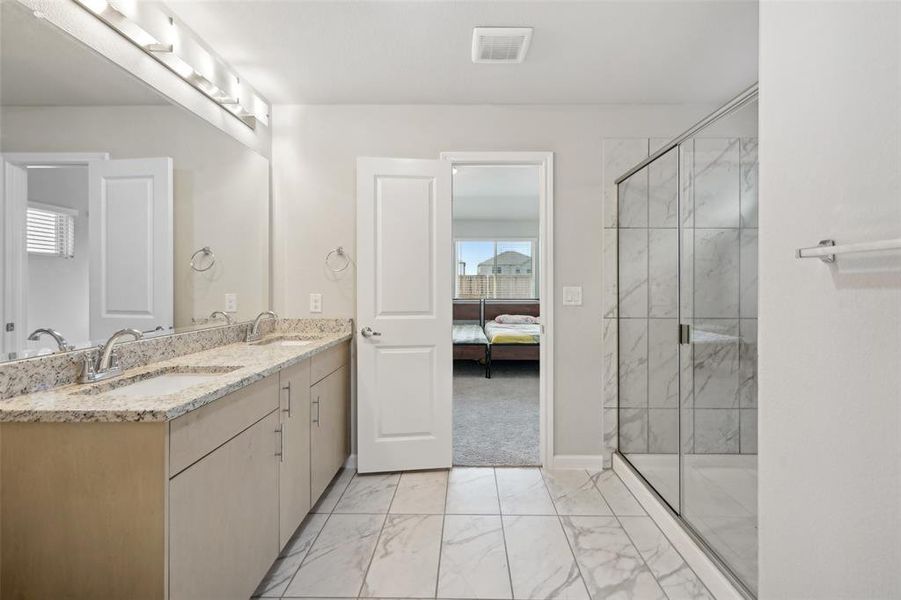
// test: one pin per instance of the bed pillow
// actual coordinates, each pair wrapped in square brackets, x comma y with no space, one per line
[516,319]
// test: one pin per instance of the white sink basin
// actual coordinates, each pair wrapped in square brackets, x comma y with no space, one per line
[164,385]
[163,382]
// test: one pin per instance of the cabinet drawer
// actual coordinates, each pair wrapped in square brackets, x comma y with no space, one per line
[201,431]
[326,363]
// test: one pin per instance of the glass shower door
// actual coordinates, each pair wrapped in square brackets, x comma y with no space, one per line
[718,301]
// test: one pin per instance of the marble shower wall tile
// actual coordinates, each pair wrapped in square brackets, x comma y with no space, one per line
[663,190]
[633,430]
[610,269]
[687,182]
[687,430]
[633,363]
[610,441]
[663,273]
[611,372]
[716,431]
[747,364]
[748,273]
[749,173]
[633,200]
[716,373]
[716,273]
[620,155]
[687,274]
[663,431]
[716,183]
[663,363]
[633,272]
[748,430]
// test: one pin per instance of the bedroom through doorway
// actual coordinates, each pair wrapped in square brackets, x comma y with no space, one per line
[497,314]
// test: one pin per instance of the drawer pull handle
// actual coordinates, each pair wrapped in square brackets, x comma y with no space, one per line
[316,420]
[281,443]
[288,388]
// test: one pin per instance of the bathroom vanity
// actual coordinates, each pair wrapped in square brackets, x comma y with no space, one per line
[128,489]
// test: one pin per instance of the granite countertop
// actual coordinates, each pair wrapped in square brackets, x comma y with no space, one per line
[81,403]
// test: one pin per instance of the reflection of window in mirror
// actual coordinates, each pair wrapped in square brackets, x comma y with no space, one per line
[50,230]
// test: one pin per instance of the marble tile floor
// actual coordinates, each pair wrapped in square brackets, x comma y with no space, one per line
[483,533]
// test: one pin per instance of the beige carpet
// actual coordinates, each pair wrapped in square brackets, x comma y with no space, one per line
[496,420]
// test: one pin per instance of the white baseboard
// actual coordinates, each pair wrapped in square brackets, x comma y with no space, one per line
[718,584]
[593,462]
[351,462]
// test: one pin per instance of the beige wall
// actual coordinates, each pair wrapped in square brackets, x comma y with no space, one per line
[314,152]
[221,190]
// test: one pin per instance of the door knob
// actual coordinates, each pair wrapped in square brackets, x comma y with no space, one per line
[368,332]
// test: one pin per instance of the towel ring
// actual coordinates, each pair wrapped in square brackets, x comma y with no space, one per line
[206,251]
[340,252]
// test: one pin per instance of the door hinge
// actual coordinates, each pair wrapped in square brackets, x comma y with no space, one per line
[684,333]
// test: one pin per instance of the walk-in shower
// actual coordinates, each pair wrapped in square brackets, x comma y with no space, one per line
[687,330]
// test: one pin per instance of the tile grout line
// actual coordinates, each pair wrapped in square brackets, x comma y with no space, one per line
[378,538]
[500,518]
[441,539]
[318,533]
[566,537]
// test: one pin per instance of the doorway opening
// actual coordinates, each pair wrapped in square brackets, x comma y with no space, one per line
[501,313]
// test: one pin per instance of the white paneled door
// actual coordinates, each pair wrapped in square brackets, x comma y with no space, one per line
[404,301]
[130,216]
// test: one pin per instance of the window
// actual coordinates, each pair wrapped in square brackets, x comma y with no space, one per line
[50,231]
[502,269]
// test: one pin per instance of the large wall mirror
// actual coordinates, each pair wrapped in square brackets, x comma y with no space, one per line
[119,209]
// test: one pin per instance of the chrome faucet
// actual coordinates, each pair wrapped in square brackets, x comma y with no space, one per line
[62,344]
[219,313]
[253,333]
[106,365]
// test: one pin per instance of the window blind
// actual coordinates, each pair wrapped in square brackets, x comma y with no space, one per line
[49,232]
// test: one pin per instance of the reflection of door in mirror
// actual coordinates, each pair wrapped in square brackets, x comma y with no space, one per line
[90,249]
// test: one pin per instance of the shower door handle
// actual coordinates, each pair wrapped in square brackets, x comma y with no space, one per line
[684,333]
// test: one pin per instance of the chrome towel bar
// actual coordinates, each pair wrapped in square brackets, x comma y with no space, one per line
[826,250]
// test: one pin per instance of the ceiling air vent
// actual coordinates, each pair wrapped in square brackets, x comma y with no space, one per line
[500,44]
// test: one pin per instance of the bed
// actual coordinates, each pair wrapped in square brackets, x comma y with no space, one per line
[511,342]
[470,342]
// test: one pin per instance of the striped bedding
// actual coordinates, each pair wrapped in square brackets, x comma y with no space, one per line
[510,333]
[469,333]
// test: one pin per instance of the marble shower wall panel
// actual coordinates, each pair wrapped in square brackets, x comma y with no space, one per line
[687,183]
[663,431]
[716,273]
[633,273]
[633,430]
[633,363]
[716,431]
[663,273]
[747,364]
[663,190]
[748,273]
[716,183]
[633,201]
[609,341]
[716,373]
[748,430]
[620,155]
[663,363]
[749,182]
[610,270]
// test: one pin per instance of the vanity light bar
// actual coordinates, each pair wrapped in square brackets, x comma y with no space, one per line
[113,14]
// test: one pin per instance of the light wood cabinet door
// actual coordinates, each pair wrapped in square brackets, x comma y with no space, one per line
[294,462]
[330,404]
[223,517]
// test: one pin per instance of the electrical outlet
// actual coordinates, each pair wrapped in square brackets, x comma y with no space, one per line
[315,303]
[572,296]
[231,303]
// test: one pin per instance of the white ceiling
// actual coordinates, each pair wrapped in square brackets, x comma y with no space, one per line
[399,52]
[42,66]
[496,193]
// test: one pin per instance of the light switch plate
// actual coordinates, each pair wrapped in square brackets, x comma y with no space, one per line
[231,303]
[572,296]
[315,303]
